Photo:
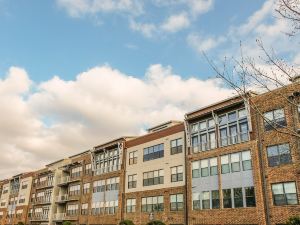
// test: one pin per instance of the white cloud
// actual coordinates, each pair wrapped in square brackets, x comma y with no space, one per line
[200,43]
[147,29]
[59,118]
[77,8]
[176,22]
[198,7]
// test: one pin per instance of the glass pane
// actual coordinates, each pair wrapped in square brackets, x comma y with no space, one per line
[204,163]
[213,161]
[232,117]
[290,188]
[246,155]
[242,113]
[195,127]
[235,157]
[211,123]
[203,125]
[278,114]
[173,198]
[223,120]
[269,116]
[224,159]
[277,189]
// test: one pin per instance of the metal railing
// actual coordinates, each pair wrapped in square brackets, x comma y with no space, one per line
[108,169]
[63,180]
[62,198]
[64,216]
[42,200]
[39,217]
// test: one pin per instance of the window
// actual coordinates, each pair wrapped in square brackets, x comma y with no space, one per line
[238,197]
[153,177]
[205,200]
[84,209]
[112,184]
[132,157]
[1,214]
[225,164]
[215,199]
[196,201]
[227,202]
[152,204]
[22,199]
[86,188]
[279,154]
[274,119]
[74,190]
[132,179]
[154,152]
[176,202]
[24,184]
[285,193]
[72,209]
[88,169]
[107,161]
[130,206]
[99,186]
[76,172]
[233,127]
[235,162]
[250,197]
[176,146]
[203,135]
[205,167]
[177,173]
[246,160]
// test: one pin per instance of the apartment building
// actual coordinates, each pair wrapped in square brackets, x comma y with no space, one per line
[155,175]
[15,198]
[233,162]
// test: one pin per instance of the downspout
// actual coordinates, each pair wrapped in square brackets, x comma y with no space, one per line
[186,152]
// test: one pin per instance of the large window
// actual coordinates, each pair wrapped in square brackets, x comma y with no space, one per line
[233,127]
[72,209]
[99,186]
[153,152]
[130,205]
[285,193]
[176,202]
[176,146]
[279,154]
[76,172]
[153,177]
[227,201]
[132,179]
[250,197]
[206,200]
[177,173]
[205,167]
[274,119]
[239,197]
[74,190]
[132,157]
[152,204]
[203,135]
[236,162]
[107,161]
[112,184]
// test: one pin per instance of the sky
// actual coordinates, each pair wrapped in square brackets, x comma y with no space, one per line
[76,73]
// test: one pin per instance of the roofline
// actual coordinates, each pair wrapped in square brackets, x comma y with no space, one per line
[165,123]
[112,141]
[81,153]
[217,103]
[50,164]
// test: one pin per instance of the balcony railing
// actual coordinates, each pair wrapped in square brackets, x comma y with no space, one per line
[64,216]
[40,217]
[204,146]
[61,198]
[44,184]
[108,169]
[43,200]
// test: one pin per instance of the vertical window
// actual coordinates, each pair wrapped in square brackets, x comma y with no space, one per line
[225,164]
[195,144]
[196,201]
[235,162]
[278,154]
[274,119]
[204,168]
[250,197]
[86,188]
[132,179]
[246,160]
[205,200]
[84,209]
[88,168]
[238,197]
[213,163]
[130,206]
[176,146]
[215,199]
[227,202]
[176,202]
[177,173]
[132,157]
[153,152]
[195,169]
[285,193]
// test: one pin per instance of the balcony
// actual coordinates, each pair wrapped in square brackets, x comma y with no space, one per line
[61,199]
[234,139]
[63,180]
[108,169]
[45,184]
[39,217]
[64,216]
[42,201]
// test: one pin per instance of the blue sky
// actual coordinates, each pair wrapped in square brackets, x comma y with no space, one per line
[77,73]
[43,38]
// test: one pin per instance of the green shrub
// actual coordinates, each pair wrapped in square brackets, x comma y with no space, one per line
[294,220]
[67,223]
[126,222]
[155,222]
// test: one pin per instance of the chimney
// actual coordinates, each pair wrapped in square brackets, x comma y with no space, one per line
[295,79]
